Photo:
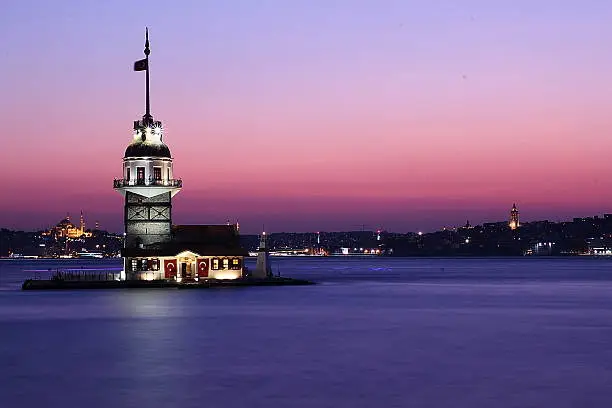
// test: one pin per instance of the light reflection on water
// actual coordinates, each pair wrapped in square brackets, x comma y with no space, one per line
[375,332]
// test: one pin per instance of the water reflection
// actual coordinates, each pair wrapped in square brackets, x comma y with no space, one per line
[352,341]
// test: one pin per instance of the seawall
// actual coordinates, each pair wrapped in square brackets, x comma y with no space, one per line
[39,284]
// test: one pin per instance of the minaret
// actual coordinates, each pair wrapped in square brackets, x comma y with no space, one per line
[82,221]
[263,269]
[147,184]
[514,218]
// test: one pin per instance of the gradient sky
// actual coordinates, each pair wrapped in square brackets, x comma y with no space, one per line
[311,115]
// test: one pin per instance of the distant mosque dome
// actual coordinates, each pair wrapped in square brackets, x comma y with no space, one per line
[65,223]
[142,149]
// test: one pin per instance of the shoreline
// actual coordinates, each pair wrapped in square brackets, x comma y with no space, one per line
[47,284]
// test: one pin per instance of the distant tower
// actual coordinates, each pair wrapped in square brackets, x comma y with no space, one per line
[97,225]
[262,268]
[82,220]
[147,183]
[514,218]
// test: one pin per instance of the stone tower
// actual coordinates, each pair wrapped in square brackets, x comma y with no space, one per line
[148,183]
[514,218]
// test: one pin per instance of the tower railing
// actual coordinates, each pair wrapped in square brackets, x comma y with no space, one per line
[119,183]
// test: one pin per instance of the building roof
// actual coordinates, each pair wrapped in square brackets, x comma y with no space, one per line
[208,240]
[205,233]
[143,149]
[65,223]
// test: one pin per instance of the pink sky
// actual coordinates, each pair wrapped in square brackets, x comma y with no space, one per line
[314,117]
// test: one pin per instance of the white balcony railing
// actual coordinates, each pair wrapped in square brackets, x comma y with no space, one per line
[118,183]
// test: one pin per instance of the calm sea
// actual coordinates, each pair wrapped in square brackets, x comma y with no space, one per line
[374,333]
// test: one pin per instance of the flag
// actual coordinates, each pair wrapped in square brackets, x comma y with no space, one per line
[141,65]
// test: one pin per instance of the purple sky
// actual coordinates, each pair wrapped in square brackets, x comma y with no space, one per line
[312,115]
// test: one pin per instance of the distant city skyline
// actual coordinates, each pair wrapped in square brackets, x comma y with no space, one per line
[313,115]
[93,220]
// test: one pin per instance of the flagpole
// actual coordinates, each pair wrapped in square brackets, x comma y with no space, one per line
[148,117]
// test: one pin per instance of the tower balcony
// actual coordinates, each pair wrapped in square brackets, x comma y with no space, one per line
[120,183]
[148,187]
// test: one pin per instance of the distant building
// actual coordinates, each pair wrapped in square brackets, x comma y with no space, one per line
[154,248]
[66,229]
[601,246]
[514,218]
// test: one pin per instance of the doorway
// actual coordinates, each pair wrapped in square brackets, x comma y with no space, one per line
[187,269]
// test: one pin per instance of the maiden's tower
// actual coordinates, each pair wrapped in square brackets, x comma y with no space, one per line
[154,248]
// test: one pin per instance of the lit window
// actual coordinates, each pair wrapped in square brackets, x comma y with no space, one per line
[134,265]
[143,265]
[140,175]
[225,263]
[215,263]
[155,265]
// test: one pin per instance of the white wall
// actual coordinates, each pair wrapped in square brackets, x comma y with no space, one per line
[148,164]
